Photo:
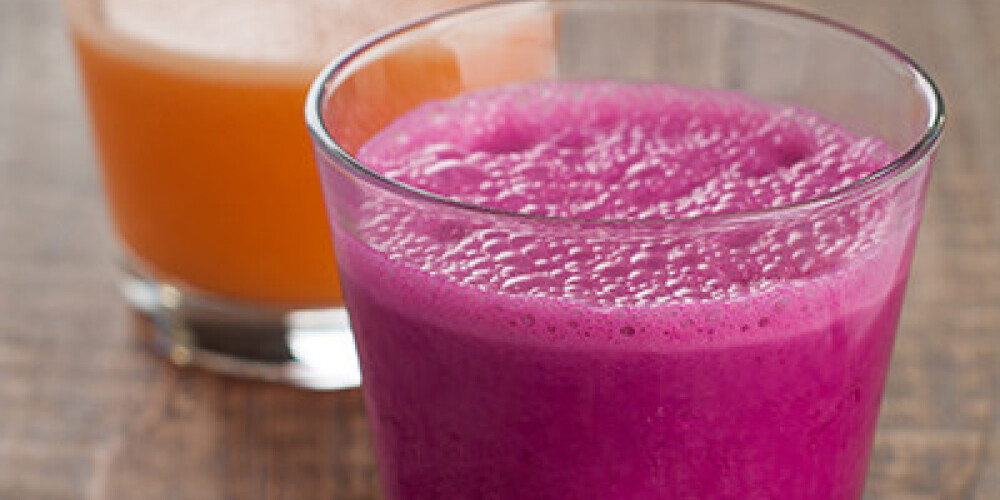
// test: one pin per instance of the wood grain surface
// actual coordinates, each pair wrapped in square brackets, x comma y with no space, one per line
[86,413]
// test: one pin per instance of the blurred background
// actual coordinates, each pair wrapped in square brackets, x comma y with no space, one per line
[87,413]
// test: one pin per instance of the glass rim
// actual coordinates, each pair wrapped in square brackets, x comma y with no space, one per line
[903,163]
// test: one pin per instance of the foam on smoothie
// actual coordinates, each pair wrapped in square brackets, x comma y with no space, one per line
[276,31]
[637,152]
[261,41]
[613,151]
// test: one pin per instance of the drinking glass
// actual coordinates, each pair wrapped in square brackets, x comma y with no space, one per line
[207,168]
[754,380]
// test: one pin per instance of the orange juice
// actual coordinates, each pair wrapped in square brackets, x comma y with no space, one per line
[197,111]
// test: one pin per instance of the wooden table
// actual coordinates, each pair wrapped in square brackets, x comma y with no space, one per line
[86,413]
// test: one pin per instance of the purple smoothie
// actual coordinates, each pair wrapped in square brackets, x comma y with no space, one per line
[540,358]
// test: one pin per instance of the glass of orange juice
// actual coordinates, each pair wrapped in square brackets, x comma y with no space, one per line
[196,112]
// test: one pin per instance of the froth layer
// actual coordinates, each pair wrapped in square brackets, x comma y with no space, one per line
[558,317]
[270,31]
[616,151]
[607,150]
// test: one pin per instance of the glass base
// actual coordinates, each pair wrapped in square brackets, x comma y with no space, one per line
[312,349]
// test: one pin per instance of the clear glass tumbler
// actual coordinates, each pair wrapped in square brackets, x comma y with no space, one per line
[196,112]
[486,377]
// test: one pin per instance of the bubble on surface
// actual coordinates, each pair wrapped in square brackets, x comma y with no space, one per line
[273,31]
[607,150]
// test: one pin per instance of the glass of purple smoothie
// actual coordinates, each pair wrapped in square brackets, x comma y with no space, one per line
[624,250]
